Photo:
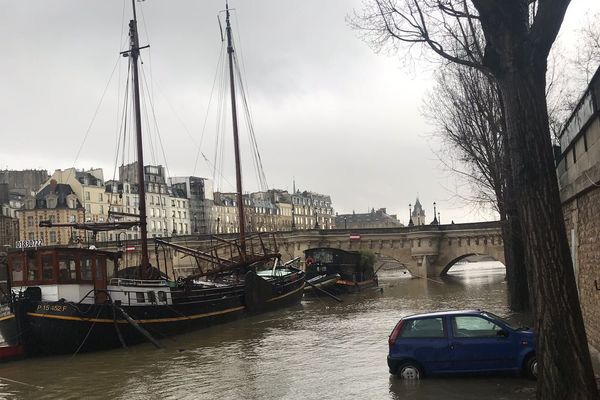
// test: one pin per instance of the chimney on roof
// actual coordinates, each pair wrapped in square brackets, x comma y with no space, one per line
[53,185]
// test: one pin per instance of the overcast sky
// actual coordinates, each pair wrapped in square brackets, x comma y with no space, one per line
[327,111]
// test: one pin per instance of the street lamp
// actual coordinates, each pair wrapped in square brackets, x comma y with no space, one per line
[345,222]
[410,220]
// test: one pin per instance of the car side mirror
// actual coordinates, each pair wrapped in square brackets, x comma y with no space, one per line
[502,333]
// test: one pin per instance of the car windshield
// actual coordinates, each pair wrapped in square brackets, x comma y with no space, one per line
[494,316]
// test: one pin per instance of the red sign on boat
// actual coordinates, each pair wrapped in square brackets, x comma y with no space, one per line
[354,236]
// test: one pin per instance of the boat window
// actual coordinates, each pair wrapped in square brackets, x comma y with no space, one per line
[33,268]
[66,268]
[48,267]
[162,296]
[17,268]
[86,268]
[140,298]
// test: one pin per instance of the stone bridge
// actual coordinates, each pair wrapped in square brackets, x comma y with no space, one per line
[425,250]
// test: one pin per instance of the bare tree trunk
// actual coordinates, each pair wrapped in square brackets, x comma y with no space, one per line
[518,275]
[566,369]
[514,254]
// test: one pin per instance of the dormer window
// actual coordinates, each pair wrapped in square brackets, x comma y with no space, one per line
[51,201]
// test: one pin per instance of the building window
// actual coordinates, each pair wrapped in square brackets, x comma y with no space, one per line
[100,198]
[30,222]
[52,237]
[87,195]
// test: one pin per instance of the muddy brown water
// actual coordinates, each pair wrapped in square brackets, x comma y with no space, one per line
[317,350]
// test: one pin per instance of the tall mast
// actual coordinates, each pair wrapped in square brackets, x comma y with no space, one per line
[134,52]
[236,142]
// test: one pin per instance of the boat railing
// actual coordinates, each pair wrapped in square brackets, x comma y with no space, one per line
[138,282]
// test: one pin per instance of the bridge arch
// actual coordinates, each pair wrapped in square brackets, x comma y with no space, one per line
[453,262]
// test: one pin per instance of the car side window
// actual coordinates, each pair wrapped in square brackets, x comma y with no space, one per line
[423,328]
[474,326]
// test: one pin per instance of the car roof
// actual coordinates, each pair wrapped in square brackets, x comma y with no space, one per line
[444,313]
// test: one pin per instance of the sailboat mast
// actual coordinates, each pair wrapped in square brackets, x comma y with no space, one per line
[236,142]
[134,52]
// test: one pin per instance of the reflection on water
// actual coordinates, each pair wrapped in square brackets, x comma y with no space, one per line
[318,350]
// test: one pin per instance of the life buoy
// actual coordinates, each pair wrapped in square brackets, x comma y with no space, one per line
[309,261]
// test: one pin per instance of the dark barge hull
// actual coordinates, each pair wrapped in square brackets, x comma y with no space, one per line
[66,328]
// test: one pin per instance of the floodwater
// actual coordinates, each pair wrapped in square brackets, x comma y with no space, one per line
[317,350]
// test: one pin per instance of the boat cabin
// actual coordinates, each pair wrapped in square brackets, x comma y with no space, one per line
[348,264]
[67,273]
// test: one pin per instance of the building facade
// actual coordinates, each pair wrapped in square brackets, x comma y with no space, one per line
[56,203]
[24,182]
[90,190]
[225,214]
[199,192]
[168,209]
[269,211]
[578,170]
[374,219]
[312,211]
[9,231]
[10,203]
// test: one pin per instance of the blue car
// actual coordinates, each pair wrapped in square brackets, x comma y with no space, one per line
[465,341]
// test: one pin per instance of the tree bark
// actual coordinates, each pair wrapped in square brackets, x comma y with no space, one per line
[518,275]
[566,370]
[516,271]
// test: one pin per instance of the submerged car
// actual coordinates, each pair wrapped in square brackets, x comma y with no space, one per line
[467,341]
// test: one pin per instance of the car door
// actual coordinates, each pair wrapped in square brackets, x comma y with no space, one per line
[426,341]
[480,344]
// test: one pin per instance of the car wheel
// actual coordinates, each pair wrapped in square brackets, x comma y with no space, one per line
[531,367]
[409,371]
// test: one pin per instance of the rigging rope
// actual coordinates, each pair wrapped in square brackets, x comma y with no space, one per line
[89,129]
[212,90]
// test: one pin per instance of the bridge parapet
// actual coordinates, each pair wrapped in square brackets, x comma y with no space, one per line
[426,250]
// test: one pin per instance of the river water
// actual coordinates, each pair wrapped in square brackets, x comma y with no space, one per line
[317,350]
